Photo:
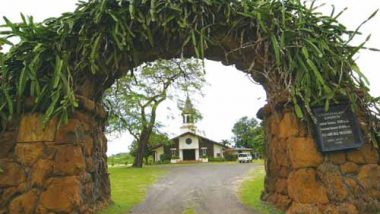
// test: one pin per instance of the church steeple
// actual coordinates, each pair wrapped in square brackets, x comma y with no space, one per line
[188,117]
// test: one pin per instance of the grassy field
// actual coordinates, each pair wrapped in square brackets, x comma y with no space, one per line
[250,191]
[129,187]
[120,159]
[259,161]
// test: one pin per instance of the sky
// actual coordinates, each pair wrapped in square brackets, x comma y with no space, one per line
[229,94]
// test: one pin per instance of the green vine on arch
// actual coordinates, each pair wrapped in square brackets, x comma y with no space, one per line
[305,53]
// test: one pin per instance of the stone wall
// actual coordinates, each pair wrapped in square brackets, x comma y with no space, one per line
[50,169]
[302,180]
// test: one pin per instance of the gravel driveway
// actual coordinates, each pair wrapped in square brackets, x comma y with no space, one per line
[206,188]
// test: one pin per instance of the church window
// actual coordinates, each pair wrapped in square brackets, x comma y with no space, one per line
[173,152]
[188,141]
[204,151]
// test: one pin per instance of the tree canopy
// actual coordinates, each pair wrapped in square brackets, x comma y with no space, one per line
[249,133]
[133,99]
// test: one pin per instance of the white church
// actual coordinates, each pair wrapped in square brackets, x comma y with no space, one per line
[189,145]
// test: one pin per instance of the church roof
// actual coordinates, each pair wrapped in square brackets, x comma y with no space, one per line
[240,149]
[188,108]
[207,139]
[191,133]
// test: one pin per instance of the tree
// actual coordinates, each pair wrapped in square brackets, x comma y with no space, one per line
[155,139]
[134,99]
[249,133]
[226,142]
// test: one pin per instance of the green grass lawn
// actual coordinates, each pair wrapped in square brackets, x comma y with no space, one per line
[250,191]
[121,159]
[259,161]
[129,186]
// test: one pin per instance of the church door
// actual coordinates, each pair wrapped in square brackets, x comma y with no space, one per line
[189,154]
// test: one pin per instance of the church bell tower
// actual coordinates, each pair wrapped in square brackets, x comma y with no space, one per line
[188,117]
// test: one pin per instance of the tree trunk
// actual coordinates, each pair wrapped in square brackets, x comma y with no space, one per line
[144,138]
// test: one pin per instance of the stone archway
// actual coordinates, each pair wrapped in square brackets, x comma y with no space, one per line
[50,168]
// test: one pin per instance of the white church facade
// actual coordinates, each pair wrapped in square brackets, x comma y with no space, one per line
[189,145]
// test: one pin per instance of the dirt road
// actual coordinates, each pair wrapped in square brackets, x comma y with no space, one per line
[203,188]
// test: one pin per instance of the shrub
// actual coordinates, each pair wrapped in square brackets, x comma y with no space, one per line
[211,159]
[165,157]
[230,157]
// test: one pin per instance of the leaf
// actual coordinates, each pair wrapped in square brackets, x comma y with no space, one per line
[22,82]
[327,105]
[4,41]
[298,110]
[359,72]
[316,72]
[132,9]
[8,22]
[261,23]
[95,48]
[49,112]
[195,44]
[276,50]
[9,103]
[373,49]
[152,10]
[282,40]
[305,52]
[113,16]
[57,71]
[23,18]
[319,53]
[283,16]
[167,20]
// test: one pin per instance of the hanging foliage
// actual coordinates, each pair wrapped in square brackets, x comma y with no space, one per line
[306,54]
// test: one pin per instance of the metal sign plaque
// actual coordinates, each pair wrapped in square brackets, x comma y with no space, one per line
[337,129]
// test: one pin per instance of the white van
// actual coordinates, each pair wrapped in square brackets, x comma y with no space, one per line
[244,158]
